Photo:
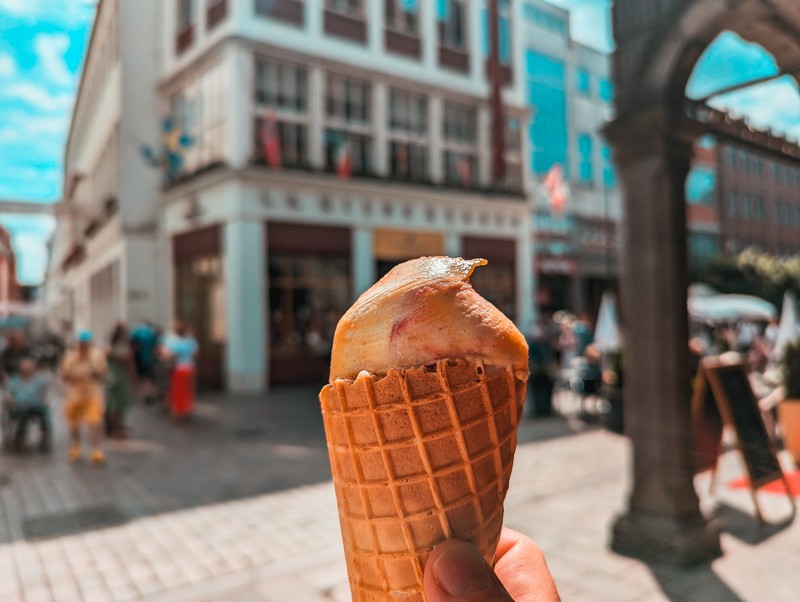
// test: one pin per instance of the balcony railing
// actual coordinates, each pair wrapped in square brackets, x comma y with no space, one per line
[216,13]
[402,43]
[184,39]
[345,26]
[289,11]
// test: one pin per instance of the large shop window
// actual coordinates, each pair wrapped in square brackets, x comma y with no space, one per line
[408,136]
[460,145]
[348,134]
[310,288]
[495,281]
[200,299]
[281,100]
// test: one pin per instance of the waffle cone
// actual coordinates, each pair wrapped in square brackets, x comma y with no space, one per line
[419,456]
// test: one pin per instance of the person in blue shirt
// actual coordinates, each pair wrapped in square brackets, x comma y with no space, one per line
[26,398]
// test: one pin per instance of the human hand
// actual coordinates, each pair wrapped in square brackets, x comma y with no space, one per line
[456,572]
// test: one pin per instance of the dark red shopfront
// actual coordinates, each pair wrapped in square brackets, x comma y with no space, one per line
[495,281]
[309,288]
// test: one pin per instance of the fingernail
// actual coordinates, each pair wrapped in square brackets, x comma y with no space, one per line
[460,570]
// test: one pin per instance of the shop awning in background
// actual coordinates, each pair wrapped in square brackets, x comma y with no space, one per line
[721,308]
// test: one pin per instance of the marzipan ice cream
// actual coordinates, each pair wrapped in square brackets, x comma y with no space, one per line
[426,390]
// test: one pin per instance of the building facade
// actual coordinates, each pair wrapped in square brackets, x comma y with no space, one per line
[702,204]
[307,147]
[9,286]
[568,87]
[759,199]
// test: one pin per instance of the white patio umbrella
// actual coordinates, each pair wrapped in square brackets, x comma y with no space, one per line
[606,333]
[787,329]
[721,308]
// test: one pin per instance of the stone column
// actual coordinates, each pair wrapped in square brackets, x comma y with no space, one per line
[453,245]
[316,117]
[239,93]
[245,280]
[526,307]
[435,121]
[380,127]
[663,520]
[364,273]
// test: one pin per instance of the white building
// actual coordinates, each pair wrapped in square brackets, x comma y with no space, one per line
[570,94]
[262,259]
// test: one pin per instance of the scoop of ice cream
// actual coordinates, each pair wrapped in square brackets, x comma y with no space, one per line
[421,311]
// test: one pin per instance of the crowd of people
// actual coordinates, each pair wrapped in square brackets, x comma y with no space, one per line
[100,382]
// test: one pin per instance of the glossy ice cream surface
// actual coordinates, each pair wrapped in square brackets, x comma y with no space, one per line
[423,310]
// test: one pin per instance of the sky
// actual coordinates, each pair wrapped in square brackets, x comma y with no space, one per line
[42,44]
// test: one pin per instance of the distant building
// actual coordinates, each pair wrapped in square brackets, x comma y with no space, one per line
[758,199]
[568,87]
[302,149]
[9,287]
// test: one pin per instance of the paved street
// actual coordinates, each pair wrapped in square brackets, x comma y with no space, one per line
[237,505]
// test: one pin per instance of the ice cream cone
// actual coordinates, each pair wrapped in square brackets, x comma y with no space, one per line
[419,456]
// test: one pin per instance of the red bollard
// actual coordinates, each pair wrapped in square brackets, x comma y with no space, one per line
[182,391]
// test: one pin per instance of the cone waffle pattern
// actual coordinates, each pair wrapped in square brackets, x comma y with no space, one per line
[419,456]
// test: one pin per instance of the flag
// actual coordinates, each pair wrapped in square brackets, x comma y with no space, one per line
[464,170]
[556,188]
[271,140]
[344,163]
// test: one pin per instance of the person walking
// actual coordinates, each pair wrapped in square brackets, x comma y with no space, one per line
[83,369]
[180,348]
[118,385]
[144,344]
[13,353]
[26,399]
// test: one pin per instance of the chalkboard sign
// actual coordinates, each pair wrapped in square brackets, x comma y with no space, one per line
[738,407]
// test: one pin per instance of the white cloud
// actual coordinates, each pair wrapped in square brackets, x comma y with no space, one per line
[8,66]
[50,48]
[66,11]
[39,97]
[31,251]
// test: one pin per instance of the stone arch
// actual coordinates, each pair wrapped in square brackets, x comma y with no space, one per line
[658,45]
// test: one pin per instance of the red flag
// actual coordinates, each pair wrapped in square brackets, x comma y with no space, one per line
[344,164]
[464,170]
[556,188]
[271,140]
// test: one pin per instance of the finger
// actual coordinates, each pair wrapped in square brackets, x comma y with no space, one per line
[522,568]
[456,572]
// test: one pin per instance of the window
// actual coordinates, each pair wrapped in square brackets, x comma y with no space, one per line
[351,8]
[776,215]
[546,95]
[583,82]
[513,156]
[760,209]
[504,31]
[585,159]
[758,164]
[452,15]
[348,137]
[733,203]
[606,90]
[185,14]
[216,11]
[281,93]
[401,16]
[787,214]
[347,99]
[747,206]
[609,174]
[281,86]
[408,136]
[730,155]
[459,142]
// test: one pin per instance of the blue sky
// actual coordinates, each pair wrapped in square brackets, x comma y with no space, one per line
[42,43]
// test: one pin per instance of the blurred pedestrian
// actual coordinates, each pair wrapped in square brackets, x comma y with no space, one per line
[567,342]
[144,344]
[771,332]
[15,350]
[83,369]
[26,399]
[180,348]
[118,383]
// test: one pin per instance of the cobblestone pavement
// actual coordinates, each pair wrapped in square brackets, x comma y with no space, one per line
[237,505]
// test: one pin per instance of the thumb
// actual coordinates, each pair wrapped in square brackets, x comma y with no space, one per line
[456,572]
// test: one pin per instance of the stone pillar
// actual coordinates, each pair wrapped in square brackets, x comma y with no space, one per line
[453,245]
[663,521]
[241,83]
[245,280]
[364,273]
[429,33]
